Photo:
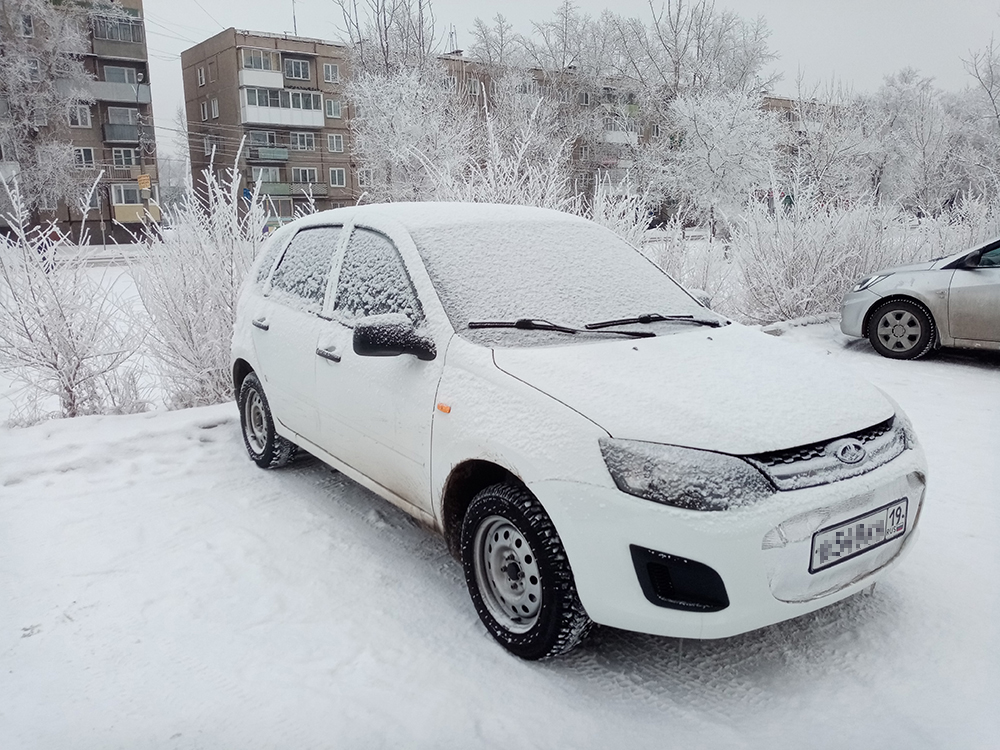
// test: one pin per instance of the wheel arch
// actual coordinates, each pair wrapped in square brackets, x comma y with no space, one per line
[464,482]
[241,368]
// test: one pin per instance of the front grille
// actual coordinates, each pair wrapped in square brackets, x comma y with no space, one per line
[816,463]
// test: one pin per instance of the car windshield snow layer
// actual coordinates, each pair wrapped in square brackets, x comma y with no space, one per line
[567,272]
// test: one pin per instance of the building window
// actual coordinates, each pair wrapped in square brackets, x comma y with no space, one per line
[303,100]
[451,83]
[280,208]
[333,108]
[212,71]
[263,138]
[118,30]
[123,116]
[297,69]
[364,177]
[38,116]
[125,195]
[283,99]
[303,141]
[473,84]
[260,59]
[335,143]
[585,153]
[27,26]
[125,157]
[79,116]
[117,74]
[204,111]
[584,98]
[94,198]
[331,72]
[338,177]
[201,76]
[304,174]
[34,70]
[47,201]
[266,174]
[83,158]
[215,108]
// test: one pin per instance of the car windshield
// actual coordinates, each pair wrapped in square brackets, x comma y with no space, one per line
[568,272]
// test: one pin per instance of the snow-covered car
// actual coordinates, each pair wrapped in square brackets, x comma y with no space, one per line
[594,444]
[908,310]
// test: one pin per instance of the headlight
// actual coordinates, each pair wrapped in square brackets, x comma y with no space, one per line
[683,477]
[870,281]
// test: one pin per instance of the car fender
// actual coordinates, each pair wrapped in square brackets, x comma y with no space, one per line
[928,288]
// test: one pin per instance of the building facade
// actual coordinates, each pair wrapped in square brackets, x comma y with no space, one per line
[272,105]
[110,129]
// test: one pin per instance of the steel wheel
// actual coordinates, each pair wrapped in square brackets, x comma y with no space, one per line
[901,329]
[507,574]
[264,445]
[256,429]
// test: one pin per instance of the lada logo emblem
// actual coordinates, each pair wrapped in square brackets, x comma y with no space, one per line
[848,451]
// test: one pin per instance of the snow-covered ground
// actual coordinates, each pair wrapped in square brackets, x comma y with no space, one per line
[159,591]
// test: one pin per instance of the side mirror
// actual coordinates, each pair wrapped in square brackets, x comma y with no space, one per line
[702,296]
[971,260]
[390,336]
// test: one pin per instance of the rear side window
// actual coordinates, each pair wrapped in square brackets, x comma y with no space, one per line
[373,279]
[300,277]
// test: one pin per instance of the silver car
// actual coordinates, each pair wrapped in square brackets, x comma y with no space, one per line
[909,310]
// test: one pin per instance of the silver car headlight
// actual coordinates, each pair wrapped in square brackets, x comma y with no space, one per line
[683,477]
[870,281]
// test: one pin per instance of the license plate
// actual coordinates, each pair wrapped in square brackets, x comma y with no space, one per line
[846,540]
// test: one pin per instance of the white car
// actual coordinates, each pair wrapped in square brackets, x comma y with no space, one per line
[908,310]
[594,444]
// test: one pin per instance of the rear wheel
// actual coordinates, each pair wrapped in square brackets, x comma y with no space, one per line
[264,445]
[518,575]
[901,330]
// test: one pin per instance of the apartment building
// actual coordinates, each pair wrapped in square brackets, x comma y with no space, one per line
[110,129]
[281,97]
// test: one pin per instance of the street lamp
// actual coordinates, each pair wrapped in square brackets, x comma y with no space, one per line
[144,184]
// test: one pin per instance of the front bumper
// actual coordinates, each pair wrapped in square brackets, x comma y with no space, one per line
[762,553]
[853,310]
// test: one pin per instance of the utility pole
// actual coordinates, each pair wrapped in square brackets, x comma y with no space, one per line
[145,184]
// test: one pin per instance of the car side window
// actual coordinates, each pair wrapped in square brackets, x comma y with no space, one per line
[271,249]
[373,279]
[990,259]
[301,275]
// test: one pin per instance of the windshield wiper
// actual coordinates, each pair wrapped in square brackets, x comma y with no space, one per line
[532,324]
[654,318]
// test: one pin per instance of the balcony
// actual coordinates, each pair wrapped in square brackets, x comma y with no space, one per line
[119,49]
[269,153]
[114,133]
[136,214]
[127,93]
[131,174]
[293,189]
[300,118]
[267,79]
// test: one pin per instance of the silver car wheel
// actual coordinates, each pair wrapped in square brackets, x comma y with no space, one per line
[255,421]
[507,574]
[899,330]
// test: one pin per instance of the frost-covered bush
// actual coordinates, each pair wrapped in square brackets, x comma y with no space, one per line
[188,283]
[66,335]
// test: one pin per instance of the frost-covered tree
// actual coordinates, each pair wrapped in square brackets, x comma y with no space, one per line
[389,35]
[41,54]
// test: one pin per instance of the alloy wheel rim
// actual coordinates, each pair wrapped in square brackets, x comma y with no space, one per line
[507,574]
[256,430]
[899,330]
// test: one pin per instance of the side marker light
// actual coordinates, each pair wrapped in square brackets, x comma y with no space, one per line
[444,408]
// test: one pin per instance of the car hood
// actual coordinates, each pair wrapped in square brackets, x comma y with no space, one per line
[926,266]
[732,389]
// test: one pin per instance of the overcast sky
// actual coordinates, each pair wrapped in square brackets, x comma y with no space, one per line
[855,41]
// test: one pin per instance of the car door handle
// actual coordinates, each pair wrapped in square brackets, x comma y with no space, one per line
[329,354]
[261,323]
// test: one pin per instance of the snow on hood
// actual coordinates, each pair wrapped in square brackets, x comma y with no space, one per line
[729,389]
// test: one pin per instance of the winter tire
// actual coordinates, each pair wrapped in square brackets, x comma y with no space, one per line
[900,329]
[518,575]
[266,447]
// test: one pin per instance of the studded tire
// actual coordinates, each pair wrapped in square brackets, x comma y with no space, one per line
[900,329]
[264,445]
[518,574]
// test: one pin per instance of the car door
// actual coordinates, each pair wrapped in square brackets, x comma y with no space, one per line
[287,325]
[974,300]
[376,412]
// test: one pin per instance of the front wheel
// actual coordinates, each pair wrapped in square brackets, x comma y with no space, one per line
[518,575]
[265,446]
[900,329]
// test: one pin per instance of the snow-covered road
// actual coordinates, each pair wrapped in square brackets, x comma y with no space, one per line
[159,591]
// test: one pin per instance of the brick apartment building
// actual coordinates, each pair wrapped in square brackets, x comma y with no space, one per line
[112,134]
[282,97]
